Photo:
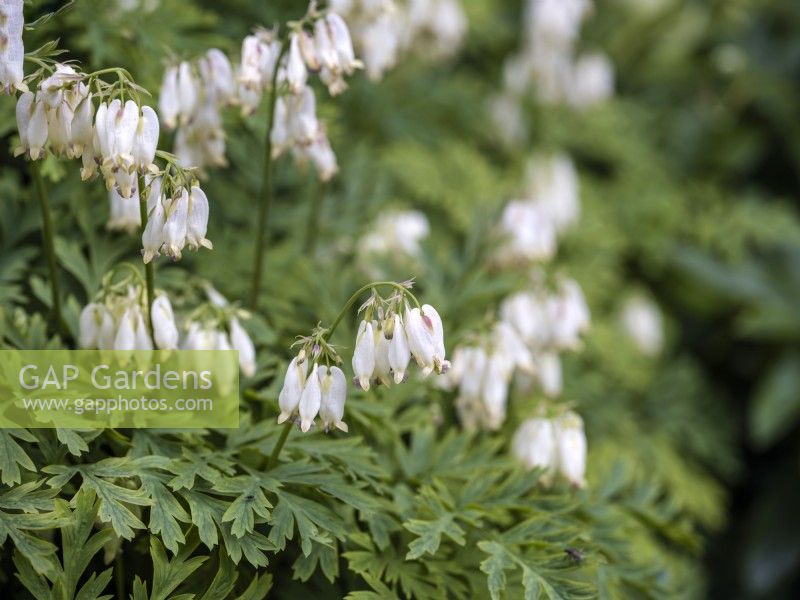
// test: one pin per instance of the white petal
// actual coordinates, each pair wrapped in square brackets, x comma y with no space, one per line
[310,400]
[364,355]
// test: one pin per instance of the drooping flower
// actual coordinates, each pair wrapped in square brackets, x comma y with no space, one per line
[399,352]
[642,322]
[124,214]
[90,324]
[572,448]
[175,223]
[165,331]
[32,126]
[293,383]
[399,232]
[334,394]
[240,341]
[310,399]
[535,446]
[364,355]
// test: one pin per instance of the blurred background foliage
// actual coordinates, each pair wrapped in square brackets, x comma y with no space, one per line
[689,188]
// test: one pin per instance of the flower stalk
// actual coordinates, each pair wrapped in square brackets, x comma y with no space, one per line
[49,246]
[149,267]
[265,195]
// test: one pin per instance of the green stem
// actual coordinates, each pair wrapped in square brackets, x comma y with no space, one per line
[276,451]
[49,245]
[265,195]
[358,293]
[149,268]
[119,574]
[312,224]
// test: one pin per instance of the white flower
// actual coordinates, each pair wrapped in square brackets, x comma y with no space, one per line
[115,130]
[553,186]
[530,233]
[320,154]
[571,448]
[569,316]
[240,340]
[90,323]
[399,352]
[222,341]
[471,365]
[125,338]
[527,313]
[153,235]
[217,75]
[107,332]
[535,446]
[165,331]
[83,127]
[175,226]
[199,337]
[342,43]
[185,224]
[307,50]
[364,355]
[592,80]
[420,339]
[197,220]
[145,141]
[168,102]
[12,51]
[433,322]
[296,72]
[383,368]
[642,323]
[293,383]
[396,232]
[548,373]
[188,91]
[310,399]
[125,214]
[142,339]
[32,126]
[508,342]
[494,392]
[334,394]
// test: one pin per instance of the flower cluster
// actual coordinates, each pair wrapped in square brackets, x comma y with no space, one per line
[383,29]
[177,218]
[215,326]
[550,206]
[118,321]
[193,94]
[12,51]
[384,347]
[556,445]
[535,324]
[321,392]
[191,98]
[389,336]
[547,64]
[119,139]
